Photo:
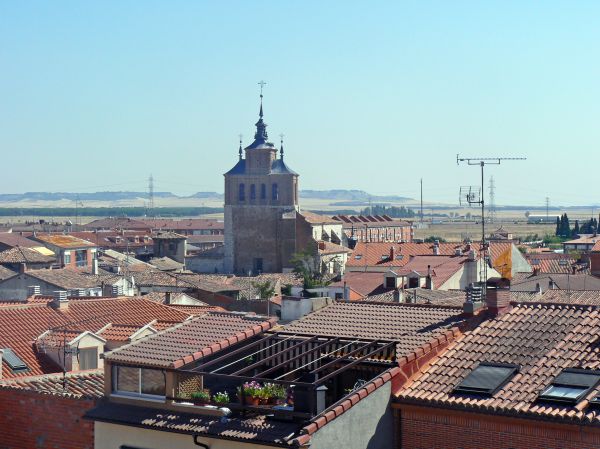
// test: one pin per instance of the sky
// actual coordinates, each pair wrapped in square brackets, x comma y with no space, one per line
[373,96]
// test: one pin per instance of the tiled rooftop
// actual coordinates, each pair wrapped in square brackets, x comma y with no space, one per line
[22,254]
[542,339]
[190,340]
[6,273]
[378,253]
[556,263]
[64,241]
[411,325]
[82,384]
[561,281]
[14,239]
[424,296]
[583,297]
[21,325]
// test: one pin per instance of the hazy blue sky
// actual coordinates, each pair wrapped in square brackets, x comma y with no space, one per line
[370,95]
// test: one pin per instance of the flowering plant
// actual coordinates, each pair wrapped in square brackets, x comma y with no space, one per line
[251,389]
[221,398]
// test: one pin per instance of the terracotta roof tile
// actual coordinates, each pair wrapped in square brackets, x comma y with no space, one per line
[542,339]
[81,384]
[411,325]
[189,341]
[21,325]
[556,263]
[64,241]
[19,254]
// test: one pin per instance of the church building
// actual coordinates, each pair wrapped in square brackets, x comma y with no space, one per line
[263,224]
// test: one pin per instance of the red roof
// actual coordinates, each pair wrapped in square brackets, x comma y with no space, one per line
[78,384]
[191,340]
[378,253]
[21,325]
[542,340]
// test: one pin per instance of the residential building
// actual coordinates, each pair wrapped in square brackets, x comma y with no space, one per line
[335,376]
[170,244]
[583,243]
[375,228]
[70,251]
[525,379]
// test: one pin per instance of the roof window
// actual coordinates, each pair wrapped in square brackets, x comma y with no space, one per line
[570,386]
[486,379]
[13,361]
[400,257]
[535,262]
[358,257]
[563,262]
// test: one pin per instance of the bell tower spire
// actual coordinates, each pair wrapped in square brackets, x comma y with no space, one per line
[261,127]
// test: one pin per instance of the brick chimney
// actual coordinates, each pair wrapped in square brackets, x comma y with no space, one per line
[22,268]
[497,296]
[392,253]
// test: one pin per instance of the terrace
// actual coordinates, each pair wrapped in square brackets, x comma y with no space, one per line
[292,377]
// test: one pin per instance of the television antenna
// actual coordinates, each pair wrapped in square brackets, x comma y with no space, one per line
[474,195]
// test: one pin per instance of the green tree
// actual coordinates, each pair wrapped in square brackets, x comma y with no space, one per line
[306,265]
[557,232]
[576,228]
[266,289]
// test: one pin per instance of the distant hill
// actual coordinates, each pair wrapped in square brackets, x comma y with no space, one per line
[358,197]
[205,195]
[349,195]
[95,196]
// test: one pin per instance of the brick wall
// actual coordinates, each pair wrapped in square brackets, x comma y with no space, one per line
[30,420]
[428,428]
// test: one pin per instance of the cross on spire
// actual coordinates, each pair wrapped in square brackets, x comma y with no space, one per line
[240,150]
[262,84]
[281,136]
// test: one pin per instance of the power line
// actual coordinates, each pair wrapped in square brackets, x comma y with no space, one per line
[151,195]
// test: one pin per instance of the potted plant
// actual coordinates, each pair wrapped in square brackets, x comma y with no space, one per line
[274,393]
[251,391]
[201,397]
[221,399]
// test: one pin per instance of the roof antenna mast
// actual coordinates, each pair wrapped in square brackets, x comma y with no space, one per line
[474,195]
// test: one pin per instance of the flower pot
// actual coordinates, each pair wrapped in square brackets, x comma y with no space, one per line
[252,400]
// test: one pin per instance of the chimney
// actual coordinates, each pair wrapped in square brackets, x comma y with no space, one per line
[551,285]
[95,266]
[472,300]
[538,288]
[574,269]
[398,295]
[168,298]
[436,248]
[33,290]
[497,296]
[22,268]
[536,271]
[59,301]
[392,253]
[428,281]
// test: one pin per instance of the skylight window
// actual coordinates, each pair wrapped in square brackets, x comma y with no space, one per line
[571,386]
[358,257]
[13,361]
[400,257]
[486,379]
[563,262]
[535,262]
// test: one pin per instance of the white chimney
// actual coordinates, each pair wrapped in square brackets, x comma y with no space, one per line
[95,266]
[60,300]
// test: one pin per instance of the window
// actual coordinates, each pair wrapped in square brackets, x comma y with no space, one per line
[358,257]
[390,282]
[13,361]
[81,258]
[263,192]
[138,381]
[535,261]
[563,262]
[486,379]
[274,192]
[570,386]
[252,192]
[67,257]
[399,257]
[88,358]
[242,192]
